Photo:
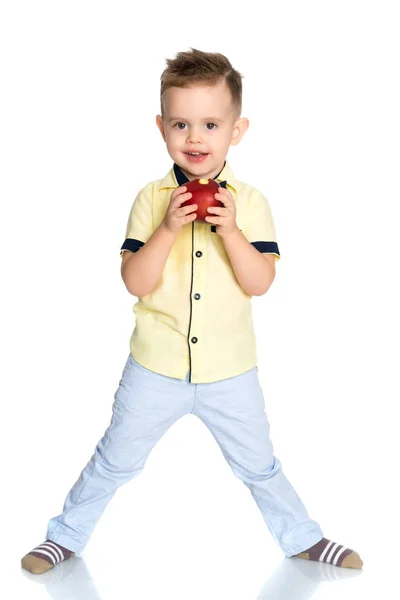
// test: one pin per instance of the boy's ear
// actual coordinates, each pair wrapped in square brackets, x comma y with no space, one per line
[160,125]
[239,129]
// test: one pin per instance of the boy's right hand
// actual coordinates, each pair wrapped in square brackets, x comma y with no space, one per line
[176,217]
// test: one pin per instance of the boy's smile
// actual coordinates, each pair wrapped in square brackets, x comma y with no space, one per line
[199,124]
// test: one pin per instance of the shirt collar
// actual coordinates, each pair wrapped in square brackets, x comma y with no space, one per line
[175,178]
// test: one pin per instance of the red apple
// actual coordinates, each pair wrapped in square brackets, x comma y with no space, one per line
[202,191]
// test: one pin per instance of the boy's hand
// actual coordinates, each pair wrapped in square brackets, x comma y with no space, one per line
[176,217]
[225,217]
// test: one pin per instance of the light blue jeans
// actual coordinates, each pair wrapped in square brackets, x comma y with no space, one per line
[146,405]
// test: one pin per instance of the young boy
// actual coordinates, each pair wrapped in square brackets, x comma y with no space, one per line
[193,347]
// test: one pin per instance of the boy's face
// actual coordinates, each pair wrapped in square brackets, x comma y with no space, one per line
[199,125]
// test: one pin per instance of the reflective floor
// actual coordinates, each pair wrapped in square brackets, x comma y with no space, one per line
[291,579]
[92,577]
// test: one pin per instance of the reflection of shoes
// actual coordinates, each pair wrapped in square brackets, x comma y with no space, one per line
[54,576]
[70,581]
[329,552]
[319,571]
[299,579]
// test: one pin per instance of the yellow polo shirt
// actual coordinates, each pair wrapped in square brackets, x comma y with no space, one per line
[197,318]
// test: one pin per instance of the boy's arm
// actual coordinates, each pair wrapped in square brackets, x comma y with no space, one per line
[253,270]
[141,270]
[145,250]
[254,252]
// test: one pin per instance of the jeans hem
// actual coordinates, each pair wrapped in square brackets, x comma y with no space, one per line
[307,542]
[65,541]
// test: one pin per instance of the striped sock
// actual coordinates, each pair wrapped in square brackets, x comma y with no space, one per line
[331,553]
[45,557]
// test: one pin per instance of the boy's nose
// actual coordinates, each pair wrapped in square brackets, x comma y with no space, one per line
[194,136]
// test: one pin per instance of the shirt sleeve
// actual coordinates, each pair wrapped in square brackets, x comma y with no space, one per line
[260,227]
[140,222]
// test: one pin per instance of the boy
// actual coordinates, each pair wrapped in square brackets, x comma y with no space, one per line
[193,346]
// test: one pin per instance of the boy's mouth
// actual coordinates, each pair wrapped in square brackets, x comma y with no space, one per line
[196,156]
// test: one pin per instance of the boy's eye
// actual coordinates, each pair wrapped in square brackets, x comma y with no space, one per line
[213,126]
[178,125]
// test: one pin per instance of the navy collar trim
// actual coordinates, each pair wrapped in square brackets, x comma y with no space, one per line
[182,179]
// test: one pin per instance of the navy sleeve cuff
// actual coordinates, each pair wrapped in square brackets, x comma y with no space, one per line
[132,245]
[266,247]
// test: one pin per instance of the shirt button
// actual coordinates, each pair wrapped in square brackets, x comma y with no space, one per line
[198,253]
[197,296]
[194,340]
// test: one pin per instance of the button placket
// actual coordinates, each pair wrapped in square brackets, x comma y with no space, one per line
[198,317]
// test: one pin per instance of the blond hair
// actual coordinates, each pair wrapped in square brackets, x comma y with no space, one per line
[195,66]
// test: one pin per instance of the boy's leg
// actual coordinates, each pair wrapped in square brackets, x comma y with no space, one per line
[146,405]
[234,411]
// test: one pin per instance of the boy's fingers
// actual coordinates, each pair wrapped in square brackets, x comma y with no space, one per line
[185,210]
[189,218]
[178,191]
[225,197]
[214,219]
[180,198]
[217,210]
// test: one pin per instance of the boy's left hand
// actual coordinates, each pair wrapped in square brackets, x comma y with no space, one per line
[225,217]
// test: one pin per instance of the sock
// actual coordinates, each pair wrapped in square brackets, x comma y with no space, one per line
[335,554]
[45,557]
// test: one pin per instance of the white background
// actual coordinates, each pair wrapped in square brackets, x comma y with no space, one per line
[80,92]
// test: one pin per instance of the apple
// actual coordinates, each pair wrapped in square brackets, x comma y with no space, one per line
[202,191]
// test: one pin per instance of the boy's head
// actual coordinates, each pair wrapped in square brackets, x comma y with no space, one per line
[201,101]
